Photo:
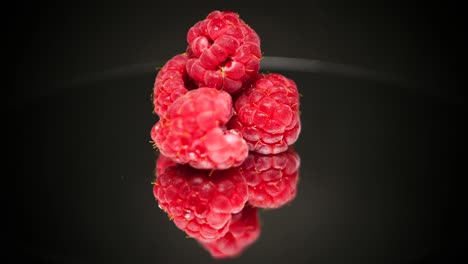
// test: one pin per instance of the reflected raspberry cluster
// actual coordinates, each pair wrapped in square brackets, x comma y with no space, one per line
[219,208]
[225,136]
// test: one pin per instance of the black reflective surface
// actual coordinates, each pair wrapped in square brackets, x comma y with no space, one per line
[378,175]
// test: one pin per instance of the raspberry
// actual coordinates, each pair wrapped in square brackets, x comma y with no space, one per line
[272,179]
[206,180]
[268,114]
[243,231]
[191,131]
[224,52]
[171,82]
[200,202]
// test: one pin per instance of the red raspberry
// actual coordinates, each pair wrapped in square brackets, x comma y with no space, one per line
[243,231]
[268,114]
[191,131]
[224,52]
[171,82]
[200,202]
[272,179]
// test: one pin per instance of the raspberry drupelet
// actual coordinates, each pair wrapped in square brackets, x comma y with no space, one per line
[224,52]
[268,114]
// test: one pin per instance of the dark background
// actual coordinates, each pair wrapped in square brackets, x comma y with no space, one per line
[378,181]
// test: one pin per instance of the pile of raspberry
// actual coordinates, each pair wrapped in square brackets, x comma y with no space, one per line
[224,135]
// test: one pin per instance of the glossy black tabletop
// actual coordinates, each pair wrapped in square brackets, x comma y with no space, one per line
[377,180]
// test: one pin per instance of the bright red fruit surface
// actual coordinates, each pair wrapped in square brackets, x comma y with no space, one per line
[268,114]
[214,107]
[272,179]
[171,82]
[192,131]
[224,52]
[244,230]
[200,202]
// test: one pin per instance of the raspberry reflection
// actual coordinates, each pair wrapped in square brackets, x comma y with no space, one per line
[219,208]
[272,179]
[244,229]
[200,202]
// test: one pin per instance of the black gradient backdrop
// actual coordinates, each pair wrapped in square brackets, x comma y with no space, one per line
[379,162]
